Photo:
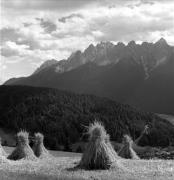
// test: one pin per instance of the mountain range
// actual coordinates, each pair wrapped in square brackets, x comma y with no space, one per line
[141,75]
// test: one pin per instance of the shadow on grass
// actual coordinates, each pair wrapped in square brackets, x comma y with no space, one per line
[78,168]
[75,168]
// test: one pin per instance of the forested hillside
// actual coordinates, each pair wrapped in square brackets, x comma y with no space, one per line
[62,116]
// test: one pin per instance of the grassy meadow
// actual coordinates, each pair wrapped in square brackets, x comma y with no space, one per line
[62,165]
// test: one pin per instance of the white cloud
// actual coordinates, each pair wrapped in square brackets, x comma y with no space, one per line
[11,49]
[124,23]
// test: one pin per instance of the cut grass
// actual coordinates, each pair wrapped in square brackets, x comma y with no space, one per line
[62,168]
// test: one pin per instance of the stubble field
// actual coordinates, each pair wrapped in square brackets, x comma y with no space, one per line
[62,166]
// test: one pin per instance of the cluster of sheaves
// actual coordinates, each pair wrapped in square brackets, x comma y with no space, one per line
[99,152]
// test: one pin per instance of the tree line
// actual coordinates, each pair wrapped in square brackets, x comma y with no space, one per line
[63,116]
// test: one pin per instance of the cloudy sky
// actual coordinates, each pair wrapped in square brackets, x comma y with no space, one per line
[33,31]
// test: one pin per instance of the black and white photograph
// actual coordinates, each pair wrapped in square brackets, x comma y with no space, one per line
[86,89]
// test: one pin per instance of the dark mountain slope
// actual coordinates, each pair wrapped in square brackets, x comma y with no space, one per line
[62,116]
[140,75]
[113,81]
[157,92]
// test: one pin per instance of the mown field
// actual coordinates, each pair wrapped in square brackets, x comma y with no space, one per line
[62,166]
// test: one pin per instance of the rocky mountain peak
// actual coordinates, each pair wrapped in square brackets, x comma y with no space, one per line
[149,55]
[145,44]
[120,44]
[161,42]
[90,53]
[131,44]
[90,47]
[104,45]
[46,64]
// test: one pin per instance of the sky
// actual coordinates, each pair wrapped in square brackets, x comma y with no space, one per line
[33,31]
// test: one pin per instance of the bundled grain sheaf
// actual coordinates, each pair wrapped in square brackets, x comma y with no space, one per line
[99,153]
[126,151]
[2,152]
[23,150]
[39,148]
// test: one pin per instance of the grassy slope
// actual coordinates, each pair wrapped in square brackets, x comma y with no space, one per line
[62,167]
[169,118]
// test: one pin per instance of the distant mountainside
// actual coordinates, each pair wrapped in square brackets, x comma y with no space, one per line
[140,75]
[63,116]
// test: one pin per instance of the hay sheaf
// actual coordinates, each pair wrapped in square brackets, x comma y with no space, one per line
[39,148]
[127,151]
[23,150]
[99,153]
